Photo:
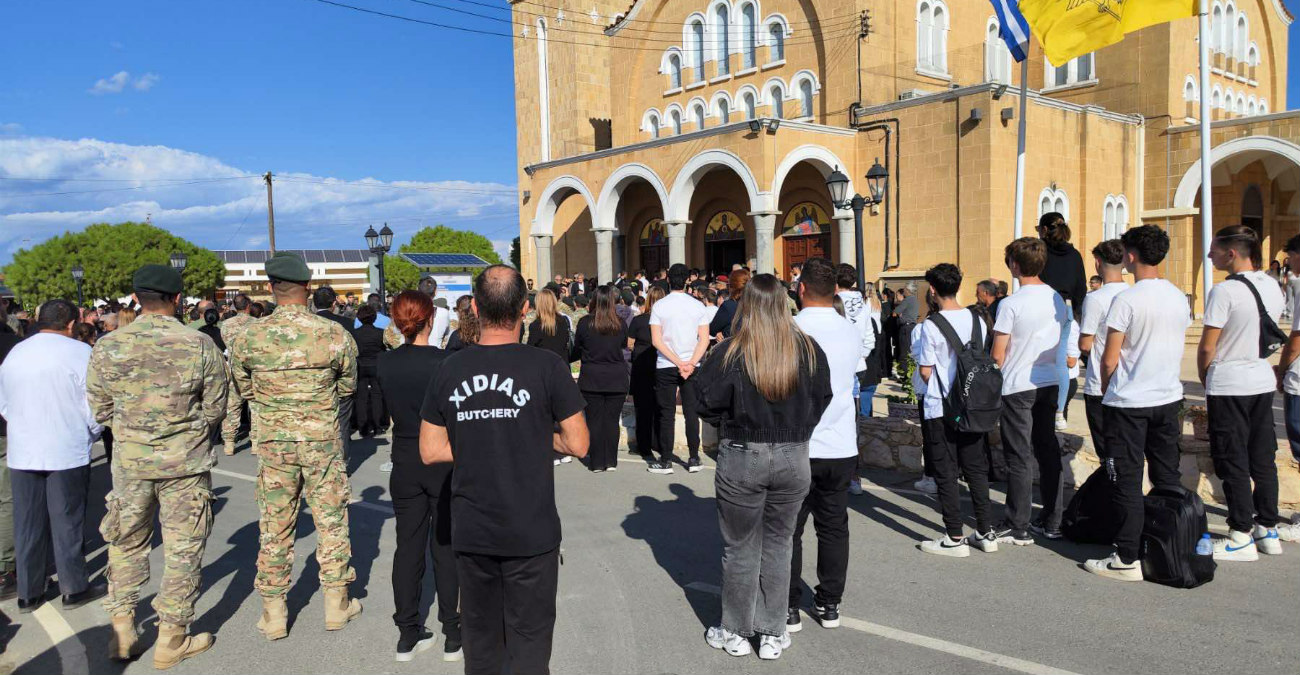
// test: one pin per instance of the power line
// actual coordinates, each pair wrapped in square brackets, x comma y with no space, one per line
[123,189]
[123,180]
[428,188]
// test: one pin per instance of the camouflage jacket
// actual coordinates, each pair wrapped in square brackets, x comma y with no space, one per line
[162,388]
[392,337]
[234,325]
[294,367]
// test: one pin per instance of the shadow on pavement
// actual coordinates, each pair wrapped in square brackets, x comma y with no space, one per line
[683,536]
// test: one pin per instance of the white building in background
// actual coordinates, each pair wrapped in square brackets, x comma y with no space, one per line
[345,270]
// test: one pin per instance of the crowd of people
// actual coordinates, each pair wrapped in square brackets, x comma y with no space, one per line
[483,403]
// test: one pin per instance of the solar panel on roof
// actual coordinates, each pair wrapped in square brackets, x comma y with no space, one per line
[314,256]
[333,255]
[444,260]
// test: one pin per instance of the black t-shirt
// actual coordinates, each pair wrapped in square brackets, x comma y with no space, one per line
[557,343]
[404,376]
[603,367]
[500,404]
[639,331]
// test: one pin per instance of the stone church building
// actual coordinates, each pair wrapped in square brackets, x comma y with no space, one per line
[702,131]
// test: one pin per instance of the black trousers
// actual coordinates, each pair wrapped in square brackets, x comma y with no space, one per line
[828,504]
[508,612]
[951,453]
[1243,445]
[1029,427]
[422,504]
[1096,424]
[1069,396]
[604,410]
[667,383]
[50,507]
[904,341]
[1132,436]
[369,402]
[647,409]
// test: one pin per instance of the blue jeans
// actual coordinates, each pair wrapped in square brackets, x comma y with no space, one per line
[1291,404]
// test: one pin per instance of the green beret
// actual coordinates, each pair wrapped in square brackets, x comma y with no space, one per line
[159,279]
[288,267]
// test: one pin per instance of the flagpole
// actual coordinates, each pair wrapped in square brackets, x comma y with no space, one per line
[1207,216]
[1019,227]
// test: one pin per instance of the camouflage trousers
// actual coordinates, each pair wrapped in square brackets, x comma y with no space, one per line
[289,472]
[184,508]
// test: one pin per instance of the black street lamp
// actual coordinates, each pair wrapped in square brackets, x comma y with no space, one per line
[379,244]
[178,263]
[838,184]
[78,274]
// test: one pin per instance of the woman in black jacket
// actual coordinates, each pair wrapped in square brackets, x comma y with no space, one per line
[765,389]
[1064,270]
[644,358]
[370,398]
[550,330]
[598,343]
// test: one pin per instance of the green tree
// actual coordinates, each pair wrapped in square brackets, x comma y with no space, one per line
[110,255]
[399,275]
[514,252]
[443,239]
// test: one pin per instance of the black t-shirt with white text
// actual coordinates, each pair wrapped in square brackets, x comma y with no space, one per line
[500,404]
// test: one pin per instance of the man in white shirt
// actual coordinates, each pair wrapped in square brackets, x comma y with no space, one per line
[679,330]
[1026,344]
[1145,332]
[949,452]
[1108,259]
[1239,386]
[51,430]
[832,451]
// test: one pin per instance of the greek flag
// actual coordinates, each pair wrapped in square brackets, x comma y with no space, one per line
[1013,27]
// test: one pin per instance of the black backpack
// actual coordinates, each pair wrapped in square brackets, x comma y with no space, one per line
[1271,338]
[1173,524]
[1091,516]
[975,402]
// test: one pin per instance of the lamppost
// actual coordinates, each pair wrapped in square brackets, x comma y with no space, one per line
[379,243]
[78,273]
[877,182]
[178,264]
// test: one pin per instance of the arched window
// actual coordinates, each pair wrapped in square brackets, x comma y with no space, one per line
[1252,55]
[932,37]
[675,117]
[1241,41]
[750,105]
[997,58]
[776,43]
[697,49]
[1121,215]
[1263,106]
[543,90]
[653,123]
[1241,104]
[698,113]
[777,97]
[722,39]
[1216,99]
[924,22]
[1229,25]
[1216,28]
[1108,218]
[749,34]
[1189,89]
[724,111]
[1053,199]
[1252,107]
[806,98]
[674,72]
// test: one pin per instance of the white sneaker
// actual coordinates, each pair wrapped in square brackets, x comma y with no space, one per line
[947,546]
[721,638]
[386,467]
[566,459]
[557,462]
[1112,567]
[1267,540]
[987,542]
[855,487]
[927,485]
[612,468]
[1237,546]
[1288,531]
[1061,424]
[771,646]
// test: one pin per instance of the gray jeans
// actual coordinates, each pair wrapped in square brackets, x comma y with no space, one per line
[760,488]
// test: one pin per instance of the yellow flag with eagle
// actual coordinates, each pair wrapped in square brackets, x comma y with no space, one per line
[1071,28]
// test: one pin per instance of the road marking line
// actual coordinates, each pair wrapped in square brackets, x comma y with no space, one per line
[72,652]
[232,474]
[918,640]
[358,502]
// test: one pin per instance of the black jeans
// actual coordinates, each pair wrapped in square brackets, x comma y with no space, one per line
[667,383]
[647,408]
[422,504]
[508,611]
[1069,396]
[828,503]
[50,507]
[1029,426]
[604,410]
[1243,446]
[1134,435]
[1096,424]
[369,402]
[951,452]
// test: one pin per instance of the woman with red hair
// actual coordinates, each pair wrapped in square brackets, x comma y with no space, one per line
[421,493]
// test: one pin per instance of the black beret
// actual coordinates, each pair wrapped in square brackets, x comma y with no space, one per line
[288,267]
[159,279]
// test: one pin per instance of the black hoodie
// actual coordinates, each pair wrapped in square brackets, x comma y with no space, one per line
[1064,273]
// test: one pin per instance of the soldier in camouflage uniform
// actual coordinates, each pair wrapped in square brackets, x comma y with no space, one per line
[162,388]
[294,366]
[235,404]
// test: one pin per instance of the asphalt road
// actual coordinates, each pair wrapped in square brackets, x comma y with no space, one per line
[639,583]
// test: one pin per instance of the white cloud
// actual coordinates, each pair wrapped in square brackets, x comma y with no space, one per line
[219,206]
[146,82]
[118,82]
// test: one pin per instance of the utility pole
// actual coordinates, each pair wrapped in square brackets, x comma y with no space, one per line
[270,212]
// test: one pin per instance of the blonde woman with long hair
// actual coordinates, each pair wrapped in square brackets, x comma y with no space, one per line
[765,389]
[550,330]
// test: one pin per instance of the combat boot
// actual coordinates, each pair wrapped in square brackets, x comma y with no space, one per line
[175,644]
[339,609]
[124,645]
[274,623]
[229,449]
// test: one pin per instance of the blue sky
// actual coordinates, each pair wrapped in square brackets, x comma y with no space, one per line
[152,90]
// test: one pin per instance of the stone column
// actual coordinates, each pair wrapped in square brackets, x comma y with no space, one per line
[844,225]
[542,248]
[676,240]
[764,241]
[604,256]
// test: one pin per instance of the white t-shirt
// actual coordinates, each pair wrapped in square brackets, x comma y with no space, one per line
[1035,318]
[1095,306]
[859,314]
[709,312]
[938,354]
[1153,317]
[1237,369]
[1072,349]
[680,316]
[441,326]
[918,385]
[1291,381]
[836,435]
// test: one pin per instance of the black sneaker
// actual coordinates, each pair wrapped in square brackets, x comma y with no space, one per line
[827,615]
[1006,534]
[661,468]
[793,621]
[412,642]
[1040,528]
[693,465]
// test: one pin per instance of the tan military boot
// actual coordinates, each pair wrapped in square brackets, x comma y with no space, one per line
[175,644]
[124,645]
[274,623]
[339,609]
[229,449]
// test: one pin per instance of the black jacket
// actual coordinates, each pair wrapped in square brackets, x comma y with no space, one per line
[1064,273]
[346,323]
[729,401]
[370,344]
